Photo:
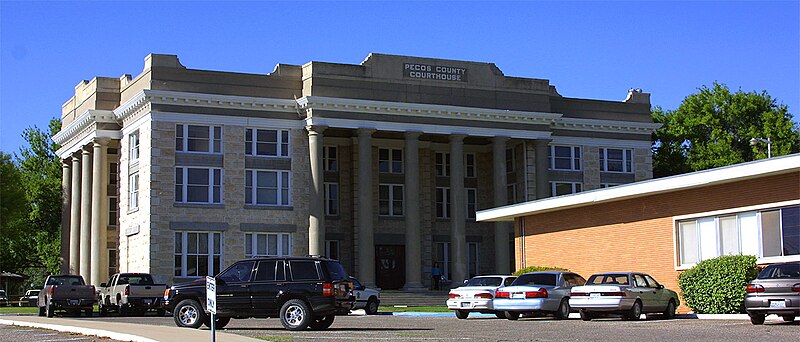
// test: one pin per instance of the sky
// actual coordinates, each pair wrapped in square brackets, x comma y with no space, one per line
[595,50]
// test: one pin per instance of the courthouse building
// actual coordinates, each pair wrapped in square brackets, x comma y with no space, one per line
[180,172]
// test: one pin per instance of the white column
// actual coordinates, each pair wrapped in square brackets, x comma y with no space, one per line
[66,193]
[458,237]
[86,212]
[542,182]
[316,216]
[413,240]
[98,238]
[75,218]
[499,182]
[366,235]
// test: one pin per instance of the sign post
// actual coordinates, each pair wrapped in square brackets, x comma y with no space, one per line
[211,303]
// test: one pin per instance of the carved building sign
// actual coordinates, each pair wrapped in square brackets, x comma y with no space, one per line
[434,72]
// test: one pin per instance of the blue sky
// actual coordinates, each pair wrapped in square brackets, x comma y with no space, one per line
[586,49]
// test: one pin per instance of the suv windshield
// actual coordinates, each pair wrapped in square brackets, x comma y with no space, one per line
[335,270]
[546,279]
[780,271]
[485,281]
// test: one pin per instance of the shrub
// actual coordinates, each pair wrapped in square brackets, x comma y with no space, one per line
[717,286]
[538,269]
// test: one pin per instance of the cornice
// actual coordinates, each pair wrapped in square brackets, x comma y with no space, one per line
[81,123]
[612,126]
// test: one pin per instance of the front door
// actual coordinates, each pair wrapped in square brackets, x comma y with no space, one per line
[233,288]
[390,262]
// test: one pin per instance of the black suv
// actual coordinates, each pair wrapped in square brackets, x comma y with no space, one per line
[303,291]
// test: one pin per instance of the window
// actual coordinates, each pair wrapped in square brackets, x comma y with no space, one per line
[331,199]
[608,185]
[267,187]
[239,273]
[133,191]
[197,138]
[442,203]
[330,158]
[766,233]
[472,259]
[332,249]
[113,173]
[469,162]
[112,261]
[444,259]
[390,200]
[267,244]
[616,160]
[511,193]
[197,254]
[442,164]
[565,188]
[472,197]
[390,160]
[113,214]
[133,146]
[198,185]
[266,142]
[509,160]
[304,270]
[271,270]
[565,158]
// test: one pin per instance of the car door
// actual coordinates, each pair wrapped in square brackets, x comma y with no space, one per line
[268,283]
[233,288]
[648,296]
[661,294]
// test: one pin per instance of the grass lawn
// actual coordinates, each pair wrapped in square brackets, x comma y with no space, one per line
[414,309]
[18,310]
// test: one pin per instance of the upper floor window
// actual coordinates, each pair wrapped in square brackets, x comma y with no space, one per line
[469,163]
[442,203]
[266,142]
[331,199]
[198,138]
[390,201]
[133,191]
[267,244]
[472,202]
[113,173]
[113,214]
[390,160]
[616,160]
[198,185]
[565,188]
[267,187]
[565,158]
[442,164]
[509,160]
[133,146]
[330,160]
[511,193]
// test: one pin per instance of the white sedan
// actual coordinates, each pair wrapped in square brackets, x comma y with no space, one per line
[476,295]
[366,298]
[628,293]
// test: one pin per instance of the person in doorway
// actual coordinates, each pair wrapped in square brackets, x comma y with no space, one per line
[436,274]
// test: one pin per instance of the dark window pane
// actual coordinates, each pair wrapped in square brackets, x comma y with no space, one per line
[279,271]
[240,272]
[790,224]
[266,271]
[303,270]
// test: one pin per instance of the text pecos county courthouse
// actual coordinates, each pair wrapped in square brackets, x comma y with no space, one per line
[382,165]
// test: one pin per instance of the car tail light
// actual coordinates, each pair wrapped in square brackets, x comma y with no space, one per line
[542,293]
[94,290]
[327,289]
[796,287]
[52,289]
[454,295]
[755,288]
[484,295]
[166,294]
[579,294]
[501,294]
[613,294]
[127,290]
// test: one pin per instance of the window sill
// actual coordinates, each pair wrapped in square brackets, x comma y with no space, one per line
[199,152]
[199,205]
[131,211]
[618,172]
[568,170]
[392,218]
[269,157]
[267,207]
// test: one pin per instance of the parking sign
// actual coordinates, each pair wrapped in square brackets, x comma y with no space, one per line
[211,295]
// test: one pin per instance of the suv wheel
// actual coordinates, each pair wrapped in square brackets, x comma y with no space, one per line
[295,315]
[189,314]
[322,323]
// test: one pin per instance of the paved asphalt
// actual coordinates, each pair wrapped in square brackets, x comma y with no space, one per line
[488,328]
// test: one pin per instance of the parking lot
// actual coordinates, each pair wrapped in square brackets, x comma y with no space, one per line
[487,328]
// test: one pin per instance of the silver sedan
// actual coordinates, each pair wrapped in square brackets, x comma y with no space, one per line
[628,293]
[538,292]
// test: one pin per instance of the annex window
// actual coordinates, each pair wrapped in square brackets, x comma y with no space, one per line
[608,185]
[565,188]
[442,164]
[267,187]
[765,234]
[266,142]
[331,199]
[267,244]
[565,158]
[509,160]
[472,259]
[444,259]
[113,173]
[112,262]
[390,200]
[198,185]
[469,163]
[133,147]
[197,254]
[133,191]
[616,160]
[442,203]
[198,138]
[390,160]
[472,200]
[330,158]
[332,249]
[113,211]
[511,193]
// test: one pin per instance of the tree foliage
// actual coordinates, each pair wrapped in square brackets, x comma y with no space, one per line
[713,128]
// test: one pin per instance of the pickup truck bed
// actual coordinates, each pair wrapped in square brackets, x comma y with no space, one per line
[131,293]
[68,293]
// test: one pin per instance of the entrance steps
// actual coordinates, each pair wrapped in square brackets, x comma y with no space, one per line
[416,298]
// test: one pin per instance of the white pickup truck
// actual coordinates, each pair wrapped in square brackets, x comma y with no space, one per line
[130,294]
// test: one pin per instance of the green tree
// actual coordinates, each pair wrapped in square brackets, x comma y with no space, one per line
[13,216]
[713,128]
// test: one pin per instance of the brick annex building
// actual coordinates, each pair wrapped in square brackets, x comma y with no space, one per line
[383,165]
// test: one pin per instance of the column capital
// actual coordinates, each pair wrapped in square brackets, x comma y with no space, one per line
[76,156]
[542,142]
[98,142]
[457,138]
[66,163]
[365,132]
[500,139]
[87,149]
[315,129]
[412,135]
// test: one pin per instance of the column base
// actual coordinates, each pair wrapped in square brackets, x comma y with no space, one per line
[414,287]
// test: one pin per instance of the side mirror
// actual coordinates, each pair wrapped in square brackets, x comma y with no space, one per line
[465,281]
[102,284]
[660,287]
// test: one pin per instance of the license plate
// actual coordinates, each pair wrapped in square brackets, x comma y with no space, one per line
[777,304]
[464,305]
[594,295]
[518,295]
[73,302]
